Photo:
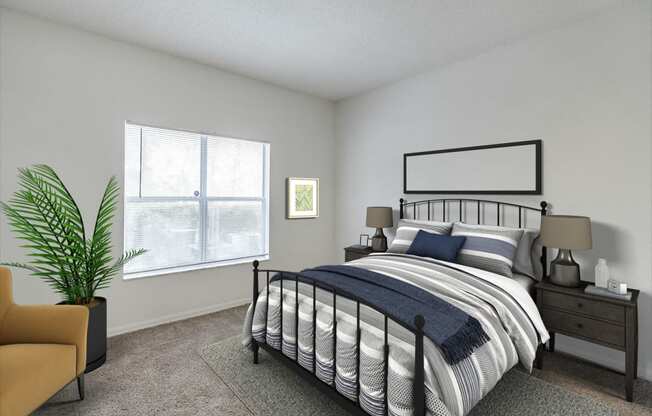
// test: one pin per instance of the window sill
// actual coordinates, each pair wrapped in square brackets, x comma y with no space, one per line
[192,267]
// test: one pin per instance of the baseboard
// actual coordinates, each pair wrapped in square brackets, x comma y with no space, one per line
[123,329]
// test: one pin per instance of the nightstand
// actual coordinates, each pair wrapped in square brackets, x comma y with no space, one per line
[609,322]
[356,252]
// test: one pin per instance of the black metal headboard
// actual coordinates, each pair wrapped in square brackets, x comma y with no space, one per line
[462,203]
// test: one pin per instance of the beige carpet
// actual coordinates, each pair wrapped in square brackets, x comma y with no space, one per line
[593,381]
[159,371]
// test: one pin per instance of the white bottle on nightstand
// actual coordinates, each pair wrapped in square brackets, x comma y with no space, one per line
[601,273]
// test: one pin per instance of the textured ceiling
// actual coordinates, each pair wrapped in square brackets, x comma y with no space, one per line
[329,48]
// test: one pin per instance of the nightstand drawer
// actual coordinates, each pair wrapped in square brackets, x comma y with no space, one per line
[588,328]
[600,310]
[352,255]
[356,252]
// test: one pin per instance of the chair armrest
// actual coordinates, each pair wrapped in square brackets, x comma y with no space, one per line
[47,324]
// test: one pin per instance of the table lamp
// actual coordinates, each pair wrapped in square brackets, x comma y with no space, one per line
[566,233]
[379,218]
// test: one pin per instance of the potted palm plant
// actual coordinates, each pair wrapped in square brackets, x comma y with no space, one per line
[44,215]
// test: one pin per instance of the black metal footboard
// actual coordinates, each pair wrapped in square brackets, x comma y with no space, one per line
[352,407]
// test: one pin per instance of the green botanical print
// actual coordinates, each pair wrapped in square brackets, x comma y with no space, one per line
[303,197]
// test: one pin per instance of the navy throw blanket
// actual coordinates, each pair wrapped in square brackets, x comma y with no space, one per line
[455,332]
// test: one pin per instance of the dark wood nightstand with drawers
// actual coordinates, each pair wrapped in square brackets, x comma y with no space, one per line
[356,252]
[606,321]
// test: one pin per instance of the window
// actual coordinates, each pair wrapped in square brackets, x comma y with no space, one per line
[193,200]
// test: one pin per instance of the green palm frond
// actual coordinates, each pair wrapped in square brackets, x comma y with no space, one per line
[107,273]
[45,216]
[99,248]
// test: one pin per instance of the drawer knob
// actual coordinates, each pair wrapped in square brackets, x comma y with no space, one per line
[579,305]
[580,326]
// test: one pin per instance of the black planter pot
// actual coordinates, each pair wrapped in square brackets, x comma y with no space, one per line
[96,338]
[96,341]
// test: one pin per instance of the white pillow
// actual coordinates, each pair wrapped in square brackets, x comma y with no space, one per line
[407,230]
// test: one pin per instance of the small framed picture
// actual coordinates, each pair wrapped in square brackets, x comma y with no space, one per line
[302,198]
[364,240]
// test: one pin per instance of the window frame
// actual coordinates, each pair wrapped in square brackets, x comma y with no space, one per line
[203,200]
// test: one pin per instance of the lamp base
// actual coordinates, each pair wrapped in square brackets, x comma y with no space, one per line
[379,241]
[564,271]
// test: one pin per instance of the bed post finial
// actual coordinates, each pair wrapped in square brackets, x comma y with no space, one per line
[400,209]
[253,307]
[419,376]
[544,207]
[419,322]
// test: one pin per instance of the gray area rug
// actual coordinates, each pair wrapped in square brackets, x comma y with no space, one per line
[270,388]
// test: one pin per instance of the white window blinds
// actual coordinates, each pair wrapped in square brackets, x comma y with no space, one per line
[193,200]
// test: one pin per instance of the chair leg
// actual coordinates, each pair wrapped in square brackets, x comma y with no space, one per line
[80,386]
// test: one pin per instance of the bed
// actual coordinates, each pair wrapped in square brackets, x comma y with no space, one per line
[410,334]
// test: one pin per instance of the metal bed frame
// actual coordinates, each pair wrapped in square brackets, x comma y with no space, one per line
[415,327]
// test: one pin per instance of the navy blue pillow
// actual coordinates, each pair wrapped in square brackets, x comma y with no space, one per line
[441,247]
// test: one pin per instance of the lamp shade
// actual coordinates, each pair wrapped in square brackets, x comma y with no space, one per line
[566,231]
[379,217]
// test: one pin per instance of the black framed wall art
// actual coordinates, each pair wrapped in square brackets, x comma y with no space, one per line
[505,168]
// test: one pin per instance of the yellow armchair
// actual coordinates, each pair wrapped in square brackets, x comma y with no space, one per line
[42,349]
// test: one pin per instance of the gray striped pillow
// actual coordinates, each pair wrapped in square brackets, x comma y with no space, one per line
[407,230]
[488,248]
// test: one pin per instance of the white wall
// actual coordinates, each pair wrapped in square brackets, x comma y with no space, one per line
[583,89]
[64,98]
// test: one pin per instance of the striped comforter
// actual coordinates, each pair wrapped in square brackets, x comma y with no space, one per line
[506,311]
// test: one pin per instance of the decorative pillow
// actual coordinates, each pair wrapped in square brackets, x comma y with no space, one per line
[407,230]
[528,255]
[535,254]
[441,247]
[489,248]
